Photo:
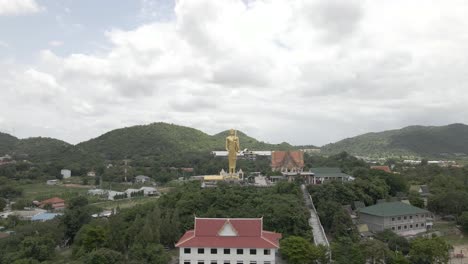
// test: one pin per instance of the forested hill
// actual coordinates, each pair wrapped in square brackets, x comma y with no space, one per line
[7,143]
[162,139]
[157,139]
[423,141]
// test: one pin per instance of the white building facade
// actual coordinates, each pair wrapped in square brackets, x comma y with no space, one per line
[228,241]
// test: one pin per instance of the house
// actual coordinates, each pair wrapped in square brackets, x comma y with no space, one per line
[324,174]
[52,182]
[65,173]
[423,190]
[112,194]
[228,240]
[142,179]
[401,218]
[130,191]
[42,217]
[27,214]
[55,203]
[91,174]
[149,191]
[97,192]
[382,168]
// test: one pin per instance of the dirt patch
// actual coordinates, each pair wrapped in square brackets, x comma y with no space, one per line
[460,249]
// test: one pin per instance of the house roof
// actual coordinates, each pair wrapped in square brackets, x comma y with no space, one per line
[287,159]
[382,168]
[329,172]
[44,216]
[53,200]
[392,209]
[248,233]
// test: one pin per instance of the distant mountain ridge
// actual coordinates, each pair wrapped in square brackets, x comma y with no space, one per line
[159,139]
[421,141]
[155,139]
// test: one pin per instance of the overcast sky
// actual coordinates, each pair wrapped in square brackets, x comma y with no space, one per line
[305,72]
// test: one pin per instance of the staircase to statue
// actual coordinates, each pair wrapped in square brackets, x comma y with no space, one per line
[320,238]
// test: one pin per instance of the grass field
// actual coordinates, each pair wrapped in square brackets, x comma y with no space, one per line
[125,203]
[451,233]
[41,191]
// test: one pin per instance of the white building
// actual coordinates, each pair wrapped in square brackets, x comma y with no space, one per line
[142,179]
[228,241]
[65,173]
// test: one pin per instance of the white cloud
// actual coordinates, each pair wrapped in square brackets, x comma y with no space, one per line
[307,72]
[19,7]
[55,43]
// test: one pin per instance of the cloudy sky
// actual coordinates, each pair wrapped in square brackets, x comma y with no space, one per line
[301,71]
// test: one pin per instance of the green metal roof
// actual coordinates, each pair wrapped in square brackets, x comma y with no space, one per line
[328,172]
[392,209]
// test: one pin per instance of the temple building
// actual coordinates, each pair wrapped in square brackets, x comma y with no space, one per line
[228,241]
[287,161]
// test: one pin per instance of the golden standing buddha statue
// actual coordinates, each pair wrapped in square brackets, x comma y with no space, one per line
[232,146]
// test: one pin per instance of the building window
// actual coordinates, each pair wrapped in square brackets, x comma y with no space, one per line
[187,250]
[214,251]
[404,217]
[200,262]
[253,262]
[213,262]
[393,228]
[240,262]
[393,218]
[253,252]
[266,252]
[399,218]
[417,225]
[266,262]
[240,251]
[186,261]
[227,251]
[399,227]
[227,262]
[410,226]
[406,227]
[410,217]
[201,251]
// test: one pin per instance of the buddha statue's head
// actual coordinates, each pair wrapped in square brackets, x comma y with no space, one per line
[231,132]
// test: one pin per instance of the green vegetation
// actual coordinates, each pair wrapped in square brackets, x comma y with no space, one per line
[297,250]
[420,141]
[139,234]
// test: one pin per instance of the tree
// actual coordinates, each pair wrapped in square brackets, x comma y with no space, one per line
[149,253]
[416,200]
[429,251]
[91,237]
[104,256]
[2,204]
[463,220]
[297,250]
[374,251]
[345,251]
[39,248]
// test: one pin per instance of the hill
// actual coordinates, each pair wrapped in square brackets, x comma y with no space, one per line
[423,141]
[162,139]
[7,143]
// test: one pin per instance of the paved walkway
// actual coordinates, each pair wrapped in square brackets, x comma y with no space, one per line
[317,230]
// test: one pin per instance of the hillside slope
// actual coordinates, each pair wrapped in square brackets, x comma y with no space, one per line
[7,143]
[162,139]
[424,141]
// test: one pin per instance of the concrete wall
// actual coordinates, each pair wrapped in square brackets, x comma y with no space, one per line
[221,258]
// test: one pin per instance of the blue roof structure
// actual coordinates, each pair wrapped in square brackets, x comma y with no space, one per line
[44,217]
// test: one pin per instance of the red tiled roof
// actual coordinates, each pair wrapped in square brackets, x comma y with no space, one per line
[249,234]
[382,168]
[287,158]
